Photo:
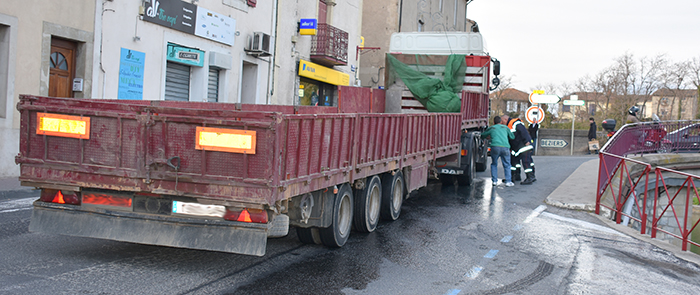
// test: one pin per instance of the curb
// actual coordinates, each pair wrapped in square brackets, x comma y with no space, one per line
[570,206]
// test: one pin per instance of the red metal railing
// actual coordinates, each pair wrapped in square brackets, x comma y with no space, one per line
[329,46]
[627,190]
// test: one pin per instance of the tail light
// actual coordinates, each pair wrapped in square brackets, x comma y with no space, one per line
[246,215]
[106,200]
[60,197]
[464,152]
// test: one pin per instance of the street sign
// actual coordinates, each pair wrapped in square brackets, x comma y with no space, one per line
[543,98]
[553,143]
[534,115]
[571,102]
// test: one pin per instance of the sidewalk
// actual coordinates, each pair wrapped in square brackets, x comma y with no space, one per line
[577,192]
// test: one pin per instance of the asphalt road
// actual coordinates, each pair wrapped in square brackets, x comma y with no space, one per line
[470,240]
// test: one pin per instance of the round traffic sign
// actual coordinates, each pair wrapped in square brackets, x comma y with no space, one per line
[534,115]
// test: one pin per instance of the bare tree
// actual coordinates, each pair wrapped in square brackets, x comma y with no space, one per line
[694,76]
[674,79]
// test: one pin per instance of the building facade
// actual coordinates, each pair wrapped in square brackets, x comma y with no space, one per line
[208,50]
[382,18]
[309,68]
[675,104]
[44,47]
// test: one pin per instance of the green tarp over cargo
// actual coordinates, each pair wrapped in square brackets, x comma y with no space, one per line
[436,95]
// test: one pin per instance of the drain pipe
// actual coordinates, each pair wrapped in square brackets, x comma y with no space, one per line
[271,66]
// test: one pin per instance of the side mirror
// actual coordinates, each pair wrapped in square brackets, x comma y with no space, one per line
[496,67]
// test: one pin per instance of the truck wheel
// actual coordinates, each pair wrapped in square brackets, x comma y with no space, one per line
[308,235]
[392,196]
[337,234]
[367,204]
[467,178]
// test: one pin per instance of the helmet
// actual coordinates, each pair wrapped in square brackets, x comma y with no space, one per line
[633,110]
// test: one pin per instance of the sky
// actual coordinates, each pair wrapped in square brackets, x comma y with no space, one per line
[542,42]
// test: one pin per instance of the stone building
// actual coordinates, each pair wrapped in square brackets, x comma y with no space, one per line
[675,104]
[44,46]
[309,68]
[382,18]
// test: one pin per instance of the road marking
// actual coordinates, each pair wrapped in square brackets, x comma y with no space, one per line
[474,272]
[491,254]
[517,227]
[16,205]
[506,239]
[453,292]
[535,213]
[582,223]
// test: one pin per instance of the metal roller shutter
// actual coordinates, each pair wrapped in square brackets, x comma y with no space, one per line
[213,85]
[177,82]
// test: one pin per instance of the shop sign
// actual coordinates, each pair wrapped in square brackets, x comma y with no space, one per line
[214,26]
[174,14]
[308,26]
[184,55]
[191,19]
[131,64]
[320,73]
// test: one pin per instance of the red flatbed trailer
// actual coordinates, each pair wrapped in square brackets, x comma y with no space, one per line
[225,177]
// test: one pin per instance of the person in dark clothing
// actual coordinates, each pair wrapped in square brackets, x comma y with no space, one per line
[592,130]
[521,149]
[532,129]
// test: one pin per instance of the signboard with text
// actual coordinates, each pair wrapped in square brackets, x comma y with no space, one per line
[184,55]
[131,64]
[191,19]
[214,26]
[308,26]
[553,143]
[174,14]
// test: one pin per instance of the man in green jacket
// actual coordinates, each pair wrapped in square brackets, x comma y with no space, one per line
[500,148]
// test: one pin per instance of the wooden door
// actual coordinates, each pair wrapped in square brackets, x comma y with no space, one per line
[61,68]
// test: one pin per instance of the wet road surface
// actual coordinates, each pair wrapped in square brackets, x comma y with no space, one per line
[471,240]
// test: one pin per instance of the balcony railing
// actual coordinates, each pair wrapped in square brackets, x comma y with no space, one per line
[330,46]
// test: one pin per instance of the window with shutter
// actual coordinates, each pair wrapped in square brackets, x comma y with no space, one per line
[177,82]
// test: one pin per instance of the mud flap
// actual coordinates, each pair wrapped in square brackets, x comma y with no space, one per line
[248,239]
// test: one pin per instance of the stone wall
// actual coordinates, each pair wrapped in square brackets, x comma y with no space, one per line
[557,142]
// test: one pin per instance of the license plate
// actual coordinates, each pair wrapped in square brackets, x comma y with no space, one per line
[198,209]
[451,171]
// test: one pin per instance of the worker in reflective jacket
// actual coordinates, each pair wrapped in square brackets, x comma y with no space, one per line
[520,150]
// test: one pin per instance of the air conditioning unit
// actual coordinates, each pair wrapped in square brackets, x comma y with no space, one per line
[258,44]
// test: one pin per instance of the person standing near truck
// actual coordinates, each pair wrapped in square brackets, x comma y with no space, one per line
[521,149]
[500,148]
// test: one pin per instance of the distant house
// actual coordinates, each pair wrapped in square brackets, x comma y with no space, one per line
[598,105]
[675,104]
[509,100]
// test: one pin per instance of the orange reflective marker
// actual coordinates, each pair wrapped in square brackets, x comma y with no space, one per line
[225,140]
[63,125]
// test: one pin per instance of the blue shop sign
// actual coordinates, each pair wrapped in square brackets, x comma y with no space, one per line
[308,26]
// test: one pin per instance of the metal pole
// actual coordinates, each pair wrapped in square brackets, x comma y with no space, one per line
[573,119]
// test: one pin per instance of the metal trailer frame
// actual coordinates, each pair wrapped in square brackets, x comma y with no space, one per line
[301,151]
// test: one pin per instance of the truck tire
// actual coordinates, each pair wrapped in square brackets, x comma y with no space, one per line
[467,178]
[392,195]
[367,204]
[308,235]
[337,234]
